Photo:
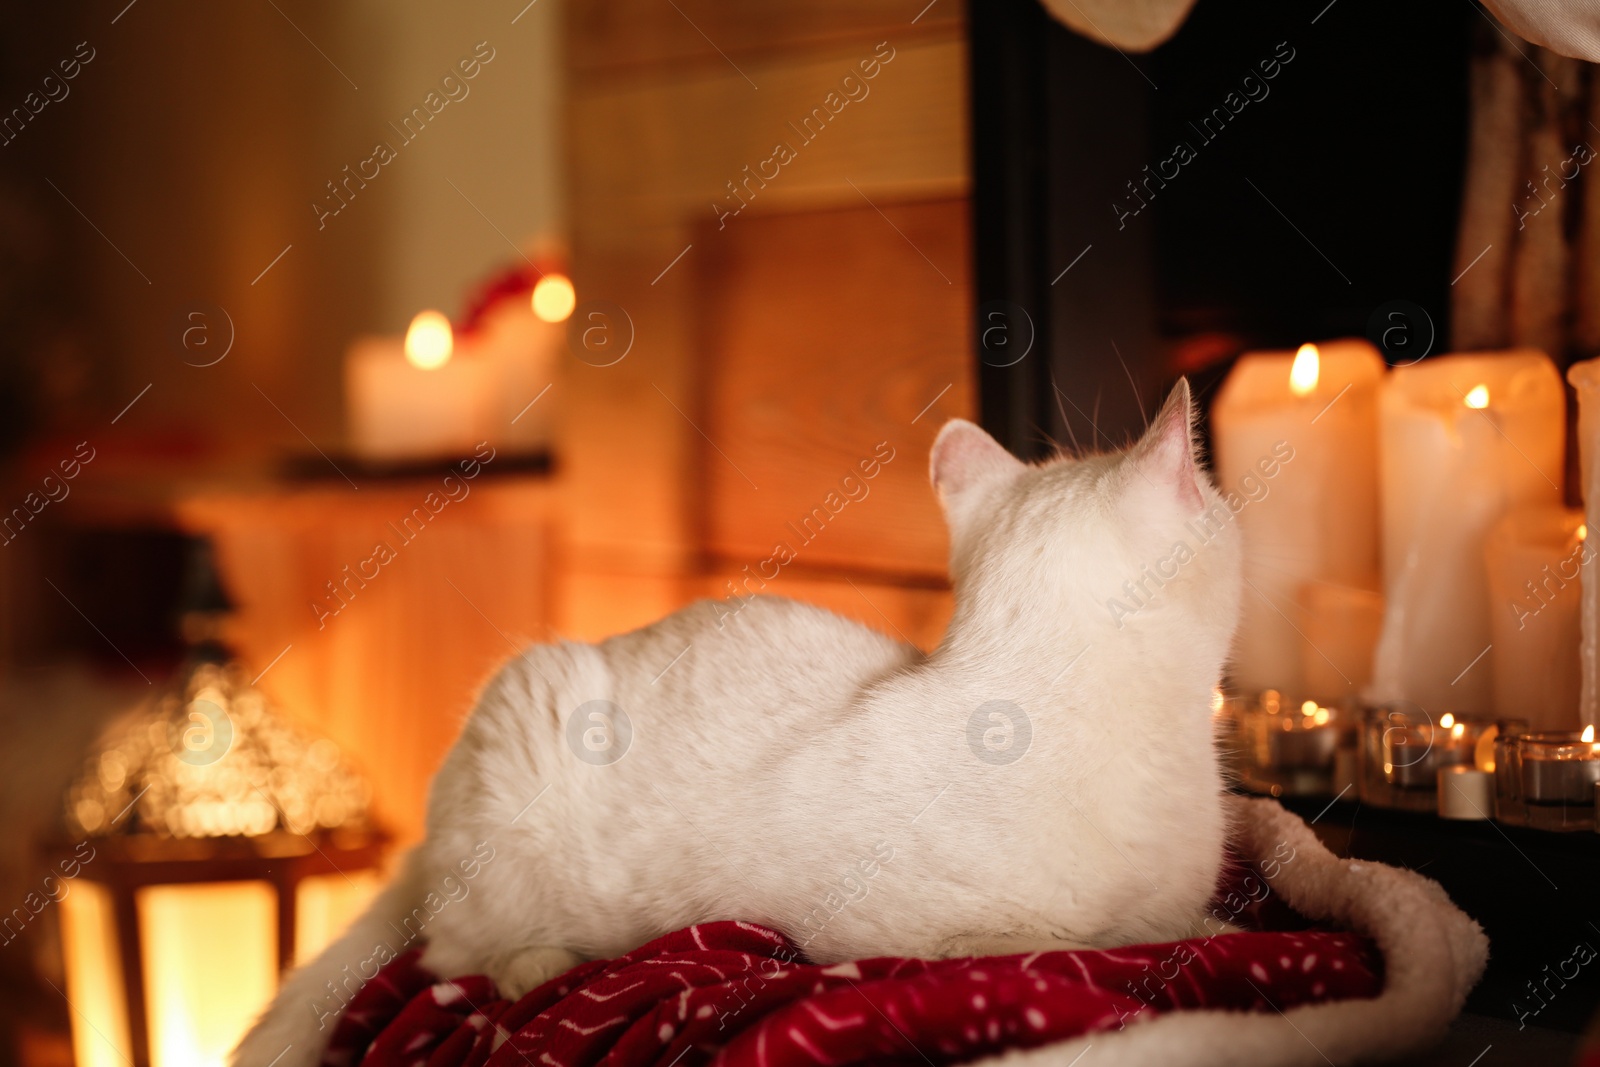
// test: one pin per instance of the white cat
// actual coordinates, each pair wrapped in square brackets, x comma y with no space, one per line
[1045,779]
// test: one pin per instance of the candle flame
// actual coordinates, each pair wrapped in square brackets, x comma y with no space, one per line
[429,341]
[554,298]
[1308,708]
[1458,730]
[1588,733]
[1478,397]
[1303,374]
[1447,720]
[1583,531]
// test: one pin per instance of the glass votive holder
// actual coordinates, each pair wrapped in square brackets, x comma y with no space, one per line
[1506,764]
[1403,748]
[1226,711]
[1286,748]
[1558,774]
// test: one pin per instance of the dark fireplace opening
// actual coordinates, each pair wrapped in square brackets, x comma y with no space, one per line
[1270,175]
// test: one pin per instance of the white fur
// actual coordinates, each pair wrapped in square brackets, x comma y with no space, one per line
[1433,955]
[788,751]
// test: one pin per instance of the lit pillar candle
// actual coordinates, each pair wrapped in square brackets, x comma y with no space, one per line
[415,399]
[1534,556]
[522,341]
[1464,439]
[1313,518]
[1585,378]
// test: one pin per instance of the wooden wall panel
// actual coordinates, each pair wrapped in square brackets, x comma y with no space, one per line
[392,676]
[655,153]
[660,120]
[611,39]
[835,333]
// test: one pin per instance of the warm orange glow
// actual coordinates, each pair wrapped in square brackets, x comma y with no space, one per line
[1483,755]
[1588,733]
[429,341]
[1303,374]
[210,966]
[1478,397]
[325,905]
[1583,531]
[94,977]
[1447,720]
[1308,708]
[1321,718]
[1459,730]
[554,298]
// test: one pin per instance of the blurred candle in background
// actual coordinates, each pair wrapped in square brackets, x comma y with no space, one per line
[1534,558]
[1585,378]
[521,341]
[415,398]
[1341,625]
[1464,440]
[1315,518]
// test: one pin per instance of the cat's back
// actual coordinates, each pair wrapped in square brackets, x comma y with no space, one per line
[757,665]
[760,655]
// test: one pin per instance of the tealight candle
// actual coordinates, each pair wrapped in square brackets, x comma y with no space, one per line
[1463,440]
[1296,447]
[1559,774]
[1559,768]
[1465,792]
[1286,748]
[1302,740]
[1441,745]
[1403,751]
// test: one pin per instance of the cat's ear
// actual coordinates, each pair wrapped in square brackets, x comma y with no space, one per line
[964,457]
[1164,457]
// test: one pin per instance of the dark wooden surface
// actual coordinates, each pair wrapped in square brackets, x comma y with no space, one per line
[1534,894]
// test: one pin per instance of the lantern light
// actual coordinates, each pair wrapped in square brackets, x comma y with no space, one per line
[222,845]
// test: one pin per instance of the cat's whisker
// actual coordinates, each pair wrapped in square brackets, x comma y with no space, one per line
[1137,399]
[1043,436]
[1077,449]
[1092,420]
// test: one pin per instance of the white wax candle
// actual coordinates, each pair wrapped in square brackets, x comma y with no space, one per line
[1585,377]
[1534,557]
[1315,518]
[1341,625]
[398,411]
[1465,793]
[1464,439]
[523,354]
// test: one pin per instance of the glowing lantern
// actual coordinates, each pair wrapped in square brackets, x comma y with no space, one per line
[216,845]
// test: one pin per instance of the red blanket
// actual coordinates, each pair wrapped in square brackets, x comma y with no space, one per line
[739,994]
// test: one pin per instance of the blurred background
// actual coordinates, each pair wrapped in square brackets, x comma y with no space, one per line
[704,266]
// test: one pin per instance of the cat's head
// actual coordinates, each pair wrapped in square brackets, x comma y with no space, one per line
[1136,542]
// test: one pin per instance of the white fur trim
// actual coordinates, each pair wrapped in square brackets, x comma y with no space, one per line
[1433,956]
